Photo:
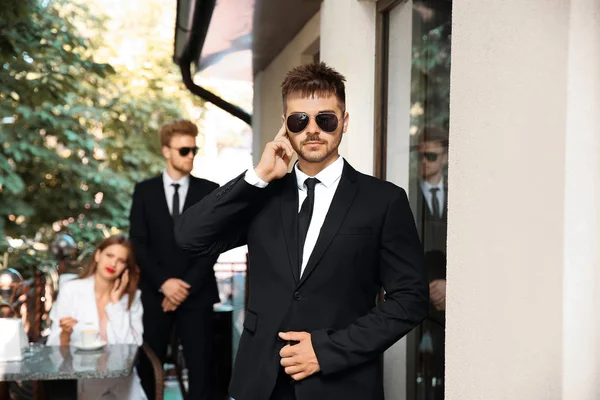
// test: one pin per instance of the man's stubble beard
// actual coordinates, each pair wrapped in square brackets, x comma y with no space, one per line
[306,156]
[182,169]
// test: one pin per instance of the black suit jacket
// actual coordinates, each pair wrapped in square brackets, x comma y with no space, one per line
[368,240]
[157,254]
[433,230]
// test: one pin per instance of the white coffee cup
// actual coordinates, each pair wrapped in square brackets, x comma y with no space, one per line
[89,337]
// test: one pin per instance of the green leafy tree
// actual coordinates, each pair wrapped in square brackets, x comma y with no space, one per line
[76,133]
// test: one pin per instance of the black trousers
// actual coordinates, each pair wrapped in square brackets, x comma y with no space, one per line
[284,387]
[194,327]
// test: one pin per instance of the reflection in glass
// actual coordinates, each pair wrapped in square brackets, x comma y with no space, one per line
[429,197]
[428,183]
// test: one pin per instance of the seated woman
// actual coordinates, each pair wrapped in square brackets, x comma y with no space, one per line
[104,298]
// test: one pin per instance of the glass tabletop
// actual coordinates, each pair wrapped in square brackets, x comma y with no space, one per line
[58,363]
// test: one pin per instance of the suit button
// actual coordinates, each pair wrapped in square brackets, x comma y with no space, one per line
[297,296]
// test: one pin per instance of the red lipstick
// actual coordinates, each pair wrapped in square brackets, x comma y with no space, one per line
[110,270]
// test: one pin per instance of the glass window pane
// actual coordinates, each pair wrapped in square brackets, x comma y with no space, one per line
[417,122]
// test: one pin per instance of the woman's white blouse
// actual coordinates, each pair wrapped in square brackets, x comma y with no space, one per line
[77,300]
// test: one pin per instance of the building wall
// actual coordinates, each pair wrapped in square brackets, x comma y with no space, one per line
[581,343]
[348,45]
[524,185]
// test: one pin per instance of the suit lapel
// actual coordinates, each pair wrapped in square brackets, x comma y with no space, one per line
[445,213]
[191,195]
[340,205]
[289,220]
[426,212]
[161,199]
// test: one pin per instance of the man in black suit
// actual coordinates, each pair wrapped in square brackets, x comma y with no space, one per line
[431,210]
[431,200]
[177,289]
[322,241]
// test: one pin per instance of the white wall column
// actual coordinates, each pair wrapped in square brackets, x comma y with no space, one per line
[581,341]
[348,45]
[524,191]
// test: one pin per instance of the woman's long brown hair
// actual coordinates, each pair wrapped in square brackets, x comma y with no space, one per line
[134,270]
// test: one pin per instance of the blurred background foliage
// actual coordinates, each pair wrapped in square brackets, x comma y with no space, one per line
[82,95]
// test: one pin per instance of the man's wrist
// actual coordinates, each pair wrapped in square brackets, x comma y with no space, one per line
[253,178]
[162,285]
[260,174]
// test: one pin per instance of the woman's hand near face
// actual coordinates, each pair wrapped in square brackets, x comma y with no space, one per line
[119,287]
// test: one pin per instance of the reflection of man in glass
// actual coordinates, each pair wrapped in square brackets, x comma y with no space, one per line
[430,200]
[432,151]
[432,207]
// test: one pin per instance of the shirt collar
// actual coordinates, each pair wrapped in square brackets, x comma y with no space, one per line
[327,177]
[183,182]
[428,186]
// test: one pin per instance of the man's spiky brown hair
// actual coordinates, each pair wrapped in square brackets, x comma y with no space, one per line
[177,127]
[314,79]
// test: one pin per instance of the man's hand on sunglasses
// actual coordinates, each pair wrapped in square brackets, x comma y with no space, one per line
[275,158]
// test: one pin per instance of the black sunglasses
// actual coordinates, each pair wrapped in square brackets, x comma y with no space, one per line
[184,151]
[298,122]
[429,156]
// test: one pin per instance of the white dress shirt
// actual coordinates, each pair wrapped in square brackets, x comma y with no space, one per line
[440,194]
[329,180]
[184,184]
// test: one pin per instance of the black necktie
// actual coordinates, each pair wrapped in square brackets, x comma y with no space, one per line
[435,203]
[305,215]
[175,212]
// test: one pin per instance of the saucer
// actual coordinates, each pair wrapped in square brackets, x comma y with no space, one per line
[94,346]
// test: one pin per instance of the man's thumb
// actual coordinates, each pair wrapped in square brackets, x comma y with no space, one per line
[295,336]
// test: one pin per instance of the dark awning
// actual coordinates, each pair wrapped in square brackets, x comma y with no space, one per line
[227,52]
[235,39]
